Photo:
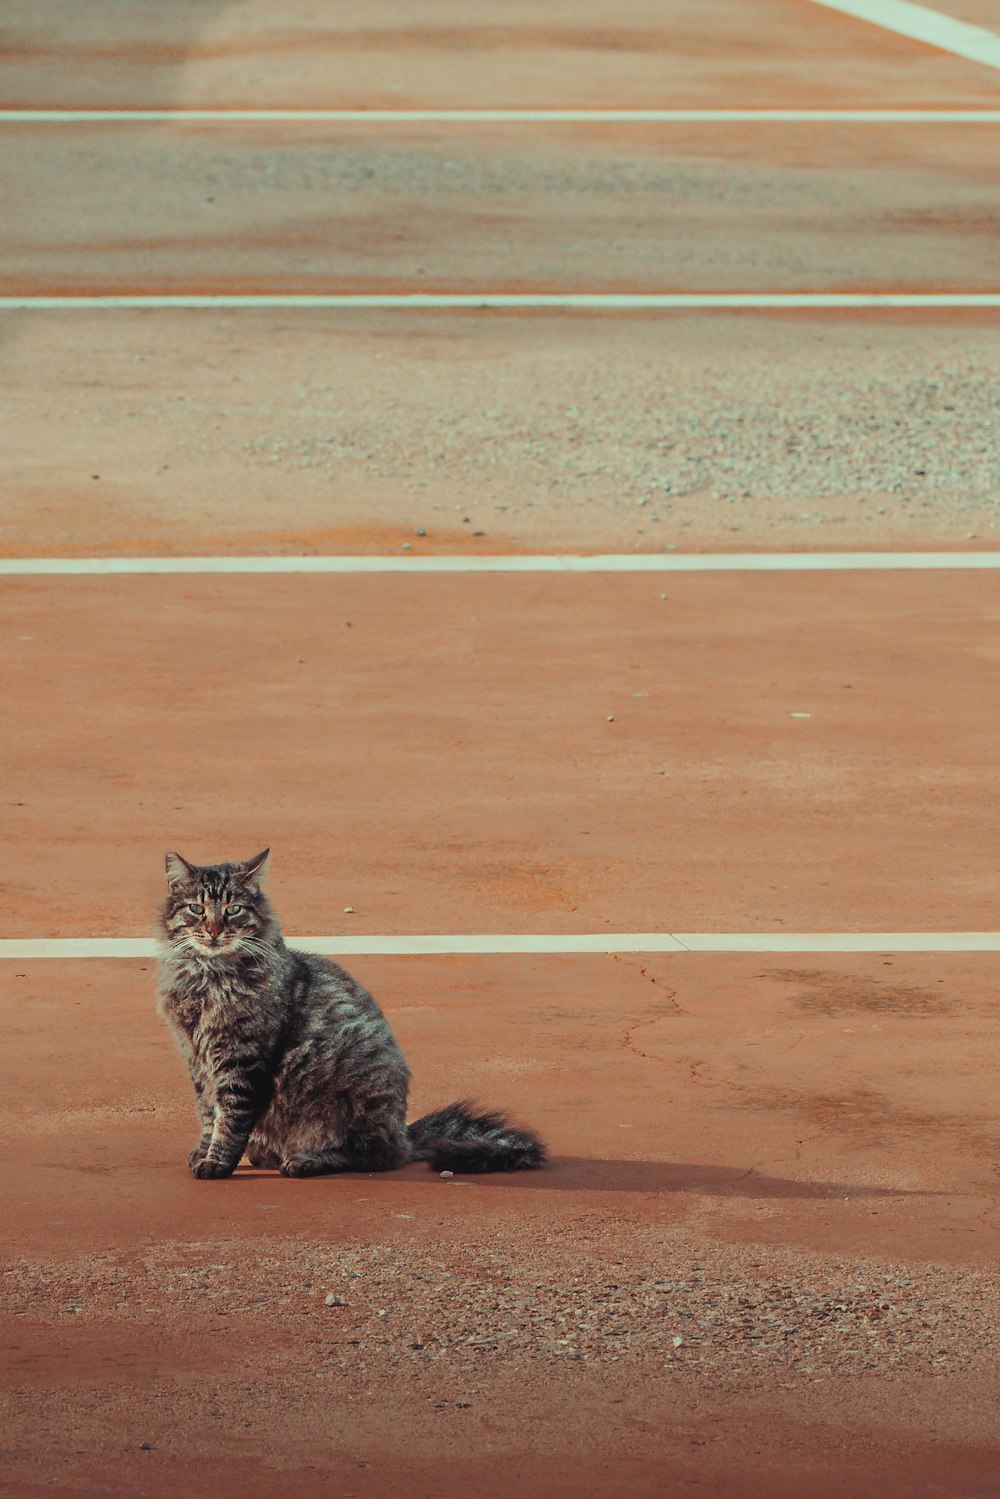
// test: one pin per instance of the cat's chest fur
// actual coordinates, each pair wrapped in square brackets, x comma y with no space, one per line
[201,1000]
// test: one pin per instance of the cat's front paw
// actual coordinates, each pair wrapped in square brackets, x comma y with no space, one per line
[205,1169]
[300,1165]
[196,1157]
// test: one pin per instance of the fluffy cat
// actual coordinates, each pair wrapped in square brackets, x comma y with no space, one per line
[292,1060]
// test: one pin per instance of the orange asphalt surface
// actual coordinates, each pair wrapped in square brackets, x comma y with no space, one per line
[762,1261]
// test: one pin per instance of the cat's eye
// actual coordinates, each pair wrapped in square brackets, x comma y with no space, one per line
[233,910]
[196,910]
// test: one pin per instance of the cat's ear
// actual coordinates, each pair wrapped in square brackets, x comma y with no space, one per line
[178,870]
[254,868]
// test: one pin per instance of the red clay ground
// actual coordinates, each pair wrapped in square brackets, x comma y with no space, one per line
[770,1162]
[789,1163]
[437,753]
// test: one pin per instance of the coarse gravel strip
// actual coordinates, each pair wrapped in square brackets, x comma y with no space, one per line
[728,1312]
[730,433]
[557,433]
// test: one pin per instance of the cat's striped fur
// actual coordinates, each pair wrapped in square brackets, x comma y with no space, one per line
[292,1060]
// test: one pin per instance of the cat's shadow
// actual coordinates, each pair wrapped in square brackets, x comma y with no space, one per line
[583,1174]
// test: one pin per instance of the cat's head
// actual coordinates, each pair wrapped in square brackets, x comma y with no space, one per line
[216,908]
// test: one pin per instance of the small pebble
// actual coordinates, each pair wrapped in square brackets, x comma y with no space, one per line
[445,1175]
[145,1446]
[611,718]
[420,531]
[348,910]
[333,1300]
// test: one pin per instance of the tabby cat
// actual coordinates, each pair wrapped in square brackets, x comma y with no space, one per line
[292,1060]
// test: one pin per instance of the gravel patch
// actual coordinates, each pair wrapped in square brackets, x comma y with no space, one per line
[813,429]
[722,1311]
[559,433]
[490,173]
[737,435]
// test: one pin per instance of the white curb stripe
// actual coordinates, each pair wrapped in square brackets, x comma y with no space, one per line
[923,25]
[630,562]
[499,116]
[839,941]
[585,301]
[602,942]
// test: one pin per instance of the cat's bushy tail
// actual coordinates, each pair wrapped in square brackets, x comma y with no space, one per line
[461,1138]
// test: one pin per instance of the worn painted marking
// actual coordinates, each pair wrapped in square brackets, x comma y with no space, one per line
[924,25]
[484,301]
[499,116]
[26,949]
[629,562]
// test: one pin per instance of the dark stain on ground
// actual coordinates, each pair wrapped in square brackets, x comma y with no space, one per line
[829,993]
[872,1119]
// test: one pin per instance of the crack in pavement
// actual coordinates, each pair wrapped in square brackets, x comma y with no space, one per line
[665,1005]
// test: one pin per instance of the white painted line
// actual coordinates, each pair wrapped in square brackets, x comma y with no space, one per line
[78,947]
[602,942]
[500,116]
[924,25]
[840,941]
[414,946]
[584,301]
[629,562]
